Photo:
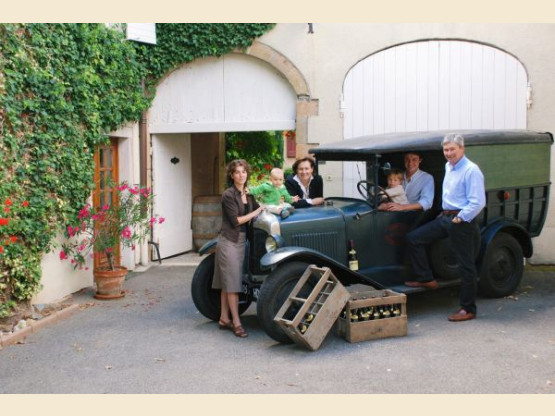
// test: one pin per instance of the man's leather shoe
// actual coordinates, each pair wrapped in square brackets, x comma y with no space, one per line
[461,315]
[432,284]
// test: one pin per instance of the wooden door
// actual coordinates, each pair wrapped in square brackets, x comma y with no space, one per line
[105,172]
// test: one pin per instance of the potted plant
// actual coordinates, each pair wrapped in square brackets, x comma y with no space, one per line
[100,230]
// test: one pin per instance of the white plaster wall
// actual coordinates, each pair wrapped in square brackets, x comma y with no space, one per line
[325,57]
[59,279]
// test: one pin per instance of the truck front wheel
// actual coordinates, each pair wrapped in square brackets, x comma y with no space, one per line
[206,299]
[502,267]
[274,292]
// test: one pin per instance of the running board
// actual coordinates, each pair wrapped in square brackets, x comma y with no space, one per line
[407,290]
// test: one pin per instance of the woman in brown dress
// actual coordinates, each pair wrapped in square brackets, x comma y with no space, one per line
[238,209]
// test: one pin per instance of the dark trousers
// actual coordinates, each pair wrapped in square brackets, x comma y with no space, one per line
[463,240]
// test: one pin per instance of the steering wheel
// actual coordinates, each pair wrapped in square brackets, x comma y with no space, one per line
[368,189]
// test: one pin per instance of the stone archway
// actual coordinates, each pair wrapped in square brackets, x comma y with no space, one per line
[306,105]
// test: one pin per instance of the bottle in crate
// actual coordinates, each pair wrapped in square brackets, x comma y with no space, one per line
[386,311]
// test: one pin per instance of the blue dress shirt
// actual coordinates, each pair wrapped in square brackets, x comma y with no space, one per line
[464,189]
[420,189]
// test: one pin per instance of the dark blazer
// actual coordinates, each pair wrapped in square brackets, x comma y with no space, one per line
[315,190]
[232,207]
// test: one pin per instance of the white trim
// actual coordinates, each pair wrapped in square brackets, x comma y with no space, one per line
[229,126]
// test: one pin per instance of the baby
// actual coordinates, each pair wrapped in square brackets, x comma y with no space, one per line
[275,195]
[395,188]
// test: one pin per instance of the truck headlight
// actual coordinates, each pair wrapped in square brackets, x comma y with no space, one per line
[273,242]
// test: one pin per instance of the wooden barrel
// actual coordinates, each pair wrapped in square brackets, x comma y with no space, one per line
[207,218]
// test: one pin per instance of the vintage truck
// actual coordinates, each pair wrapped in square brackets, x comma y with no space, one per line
[516,166]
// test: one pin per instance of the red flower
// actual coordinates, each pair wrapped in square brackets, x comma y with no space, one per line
[4,221]
[7,209]
[161,220]
[126,233]
[13,238]
[84,213]
[1,249]
[8,202]
[63,255]
[267,166]
[25,204]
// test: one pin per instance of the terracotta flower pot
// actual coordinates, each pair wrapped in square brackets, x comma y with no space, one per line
[109,283]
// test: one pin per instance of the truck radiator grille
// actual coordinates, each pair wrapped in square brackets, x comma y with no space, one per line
[326,243]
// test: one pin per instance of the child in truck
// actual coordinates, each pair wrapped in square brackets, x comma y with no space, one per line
[395,189]
[275,195]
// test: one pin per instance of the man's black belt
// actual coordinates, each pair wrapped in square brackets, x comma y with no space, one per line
[451,211]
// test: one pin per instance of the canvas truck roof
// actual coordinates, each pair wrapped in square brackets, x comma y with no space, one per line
[360,148]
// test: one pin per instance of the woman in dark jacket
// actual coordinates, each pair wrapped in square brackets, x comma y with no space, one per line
[238,209]
[308,187]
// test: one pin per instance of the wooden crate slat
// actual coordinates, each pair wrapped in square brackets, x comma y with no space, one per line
[329,306]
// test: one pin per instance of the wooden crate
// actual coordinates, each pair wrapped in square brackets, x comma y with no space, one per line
[323,301]
[363,330]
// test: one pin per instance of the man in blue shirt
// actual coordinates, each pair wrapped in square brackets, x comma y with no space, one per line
[419,187]
[463,199]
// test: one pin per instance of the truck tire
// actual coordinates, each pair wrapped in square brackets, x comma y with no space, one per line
[502,267]
[443,260]
[273,294]
[206,299]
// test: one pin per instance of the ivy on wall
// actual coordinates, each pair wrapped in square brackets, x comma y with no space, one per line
[63,87]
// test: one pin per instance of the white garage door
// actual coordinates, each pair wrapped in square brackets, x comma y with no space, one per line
[432,85]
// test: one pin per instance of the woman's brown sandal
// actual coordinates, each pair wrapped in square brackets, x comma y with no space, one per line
[225,325]
[240,332]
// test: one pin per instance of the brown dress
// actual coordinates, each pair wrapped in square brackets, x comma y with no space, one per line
[230,251]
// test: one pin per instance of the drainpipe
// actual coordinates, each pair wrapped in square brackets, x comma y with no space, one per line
[143,159]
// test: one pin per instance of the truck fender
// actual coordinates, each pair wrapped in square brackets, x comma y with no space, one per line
[208,246]
[292,253]
[514,229]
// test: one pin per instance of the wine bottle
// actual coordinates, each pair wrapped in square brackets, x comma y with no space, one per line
[354,315]
[353,261]
[302,328]
[386,312]
[309,317]
[377,314]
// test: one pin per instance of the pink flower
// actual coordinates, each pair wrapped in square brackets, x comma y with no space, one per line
[152,221]
[63,255]
[135,190]
[84,213]
[133,247]
[105,207]
[161,220]
[122,187]
[70,231]
[145,192]
[126,233]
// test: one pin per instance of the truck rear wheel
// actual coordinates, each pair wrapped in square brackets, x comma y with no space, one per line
[273,294]
[502,267]
[206,299]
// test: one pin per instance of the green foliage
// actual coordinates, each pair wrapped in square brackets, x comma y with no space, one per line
[263,150]
[177,44]
[63,87]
